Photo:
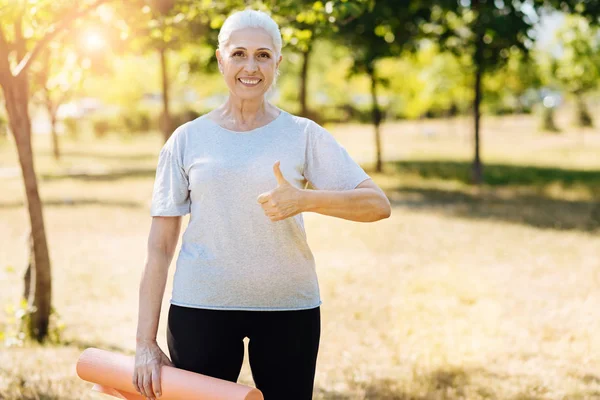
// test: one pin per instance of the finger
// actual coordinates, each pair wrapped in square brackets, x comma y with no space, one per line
[141,385]
[263,198]
[147,385]
[134,381]
[280,179]
[156,380]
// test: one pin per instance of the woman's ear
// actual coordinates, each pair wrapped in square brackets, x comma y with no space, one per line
[279,61]
[219,60]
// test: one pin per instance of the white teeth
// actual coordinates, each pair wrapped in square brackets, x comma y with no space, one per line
[249,82]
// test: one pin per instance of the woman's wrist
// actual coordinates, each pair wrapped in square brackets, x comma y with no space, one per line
[143,340]
[306,199]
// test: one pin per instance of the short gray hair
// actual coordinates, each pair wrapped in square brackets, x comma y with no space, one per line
[250,19]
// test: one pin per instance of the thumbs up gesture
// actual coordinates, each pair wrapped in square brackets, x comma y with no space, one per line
[283,201]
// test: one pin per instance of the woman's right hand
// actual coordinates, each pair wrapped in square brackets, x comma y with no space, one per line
[146,373]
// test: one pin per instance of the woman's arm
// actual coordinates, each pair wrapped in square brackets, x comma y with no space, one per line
[366,203]
[162,241]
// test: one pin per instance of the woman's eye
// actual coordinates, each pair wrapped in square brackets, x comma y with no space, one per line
[266,55]
[237,53]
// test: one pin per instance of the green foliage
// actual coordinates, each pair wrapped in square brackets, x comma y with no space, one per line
[426,83]
[14,332]
[72,127]
[101,127]
[577,68]
[135,121]
[128,122]
[184,116]
[3,126]
[388,29]
[127,83]
[487,31]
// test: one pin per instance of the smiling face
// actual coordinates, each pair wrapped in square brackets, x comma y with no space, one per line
[249,62]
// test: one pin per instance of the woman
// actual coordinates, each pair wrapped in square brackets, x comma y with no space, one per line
[244,268]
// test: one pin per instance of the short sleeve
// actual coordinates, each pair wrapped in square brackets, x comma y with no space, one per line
[328,165]
[170,196]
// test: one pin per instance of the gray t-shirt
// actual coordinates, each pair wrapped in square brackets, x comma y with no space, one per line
[232,255]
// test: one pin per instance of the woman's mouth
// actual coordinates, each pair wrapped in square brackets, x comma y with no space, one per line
[249,82]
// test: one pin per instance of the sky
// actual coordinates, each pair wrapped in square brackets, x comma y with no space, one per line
[547,27]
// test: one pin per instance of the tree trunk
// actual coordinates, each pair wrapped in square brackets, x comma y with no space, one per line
[55,146]
[166,115]
[30,267]
[40,297]
[548,123]
[477,172]
[304,83]
[376,119]
[583,118]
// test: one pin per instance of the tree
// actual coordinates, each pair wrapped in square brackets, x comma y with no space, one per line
[163,26]
[488,32]
[577,68]
[53,84]
[17,53]
[303,22]
[385,30]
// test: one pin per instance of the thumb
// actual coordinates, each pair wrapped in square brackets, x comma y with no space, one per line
[263,198]
[280,179]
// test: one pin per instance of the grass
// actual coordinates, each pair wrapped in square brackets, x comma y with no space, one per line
[464,293]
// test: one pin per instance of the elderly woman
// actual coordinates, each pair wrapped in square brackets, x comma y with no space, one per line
[244,268]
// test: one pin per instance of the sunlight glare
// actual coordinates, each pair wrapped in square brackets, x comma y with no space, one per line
[93,41]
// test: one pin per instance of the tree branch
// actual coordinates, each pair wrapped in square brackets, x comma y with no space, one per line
[5,72]
[18,28]
[52,32]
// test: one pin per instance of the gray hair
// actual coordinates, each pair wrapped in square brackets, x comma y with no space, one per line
[252,19]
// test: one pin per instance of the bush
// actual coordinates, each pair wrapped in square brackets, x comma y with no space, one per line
[182,117]
[71,127]
[350,113]
[3,126]
[101,127]
[135,121]
[126,122]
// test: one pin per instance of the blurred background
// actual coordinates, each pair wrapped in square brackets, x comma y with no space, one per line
[477,118]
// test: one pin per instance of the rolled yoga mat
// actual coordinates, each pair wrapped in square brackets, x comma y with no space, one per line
[112,374]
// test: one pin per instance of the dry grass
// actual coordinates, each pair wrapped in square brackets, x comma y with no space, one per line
[461,294]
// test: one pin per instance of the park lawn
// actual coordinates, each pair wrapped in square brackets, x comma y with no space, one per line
[461,294]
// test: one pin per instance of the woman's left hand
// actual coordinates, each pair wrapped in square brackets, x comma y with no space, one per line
[282,202]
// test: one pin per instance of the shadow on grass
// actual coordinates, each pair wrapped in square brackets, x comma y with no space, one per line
[82,345]
[447,384]
[444,383]
[103,156]
[76,202]
[500,174]
[525,203]
[527,209]
[110,176]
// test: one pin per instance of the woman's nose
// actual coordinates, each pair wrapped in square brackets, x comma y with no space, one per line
[251,65]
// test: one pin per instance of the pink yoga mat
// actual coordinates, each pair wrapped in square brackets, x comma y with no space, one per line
[112,372]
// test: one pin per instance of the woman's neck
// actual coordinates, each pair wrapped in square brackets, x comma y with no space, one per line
[244,115]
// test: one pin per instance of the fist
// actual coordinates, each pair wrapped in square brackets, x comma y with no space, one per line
[283,201]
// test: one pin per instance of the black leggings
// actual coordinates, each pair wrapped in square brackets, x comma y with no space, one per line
[282,347]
